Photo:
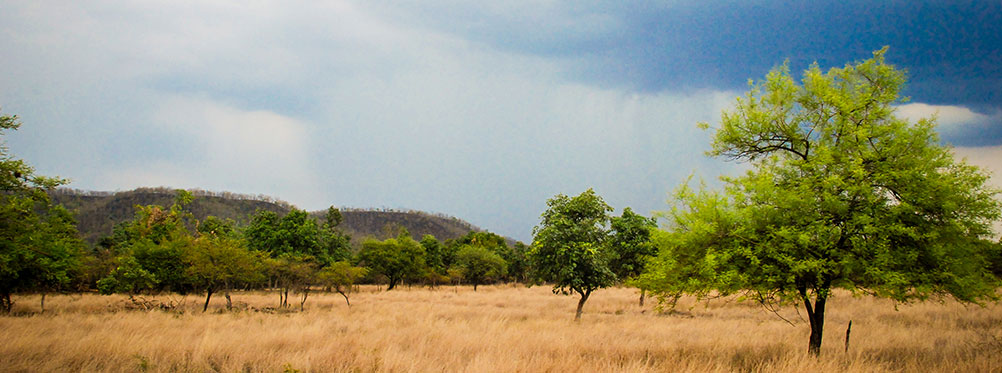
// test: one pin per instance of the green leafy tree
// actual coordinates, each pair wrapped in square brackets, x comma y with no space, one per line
[293,272]
[216,227]
[396,258]
[302,272]
[518,262]
[336,242]
[262,231]
[433,253]
[150,251]
[514,260]
[59,252]
[298,233]
[39,248]
[127,277]
[167,261]
[841,194]
[218,262]
[687,259]
[569,247]
[479,264]
[631,245]
[340,277]
[995,257]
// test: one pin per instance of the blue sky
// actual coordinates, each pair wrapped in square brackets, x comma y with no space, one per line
[481,110]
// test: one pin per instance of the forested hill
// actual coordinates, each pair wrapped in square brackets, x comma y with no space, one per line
[98,212]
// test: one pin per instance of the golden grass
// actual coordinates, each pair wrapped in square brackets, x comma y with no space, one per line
[496,329]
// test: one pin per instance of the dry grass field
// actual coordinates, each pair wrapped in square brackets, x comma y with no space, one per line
[496,329]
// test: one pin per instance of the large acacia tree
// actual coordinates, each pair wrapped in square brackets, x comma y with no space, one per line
[841,194]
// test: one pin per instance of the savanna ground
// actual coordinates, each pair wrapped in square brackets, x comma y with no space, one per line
[498,328]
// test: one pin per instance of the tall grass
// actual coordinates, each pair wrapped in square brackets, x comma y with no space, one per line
[498,328]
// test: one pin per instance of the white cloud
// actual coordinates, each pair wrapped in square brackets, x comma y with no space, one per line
[947,115]
[218,147]
[957,124]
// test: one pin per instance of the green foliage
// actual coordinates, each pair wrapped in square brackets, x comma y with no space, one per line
[630,243]
[569,247]
[262,232]
[167,262]
[514,260]
[841,194]
[39,248]
[215,262]
[293,271]
[298,233]
[333,217]
[434,254]
[334,240]
[340,277]
[396,258]
[151,250]
[518,262]
[479,264]
[995,258]
[128,277]
[214,226]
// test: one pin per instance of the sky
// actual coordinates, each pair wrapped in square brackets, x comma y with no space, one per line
[479,110]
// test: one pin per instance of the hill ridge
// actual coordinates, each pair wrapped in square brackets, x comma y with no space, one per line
[98,211]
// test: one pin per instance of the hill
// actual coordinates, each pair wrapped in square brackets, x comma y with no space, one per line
[98,212]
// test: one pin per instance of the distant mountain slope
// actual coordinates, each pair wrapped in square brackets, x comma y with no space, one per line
[98,212]
[361,224]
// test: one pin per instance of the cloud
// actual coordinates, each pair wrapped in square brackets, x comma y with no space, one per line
[218,147]
[490,136]
[958,125]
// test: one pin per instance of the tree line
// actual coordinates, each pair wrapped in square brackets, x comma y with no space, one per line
[165,249]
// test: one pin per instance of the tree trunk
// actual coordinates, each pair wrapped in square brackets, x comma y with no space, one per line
[816,315]
[302,304]
[643,294]
[226,292]
[848,330]
[5,303]
[581,302]
[285,300]
[208,295]
[474,286]
[393,283]
[43,301]
[339,291]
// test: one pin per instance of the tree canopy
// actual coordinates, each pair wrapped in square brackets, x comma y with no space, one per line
[479,264]
[841,194]
[396,258]
[630,241]
[298,233]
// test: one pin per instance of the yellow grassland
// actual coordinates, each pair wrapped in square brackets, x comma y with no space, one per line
[496,329]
